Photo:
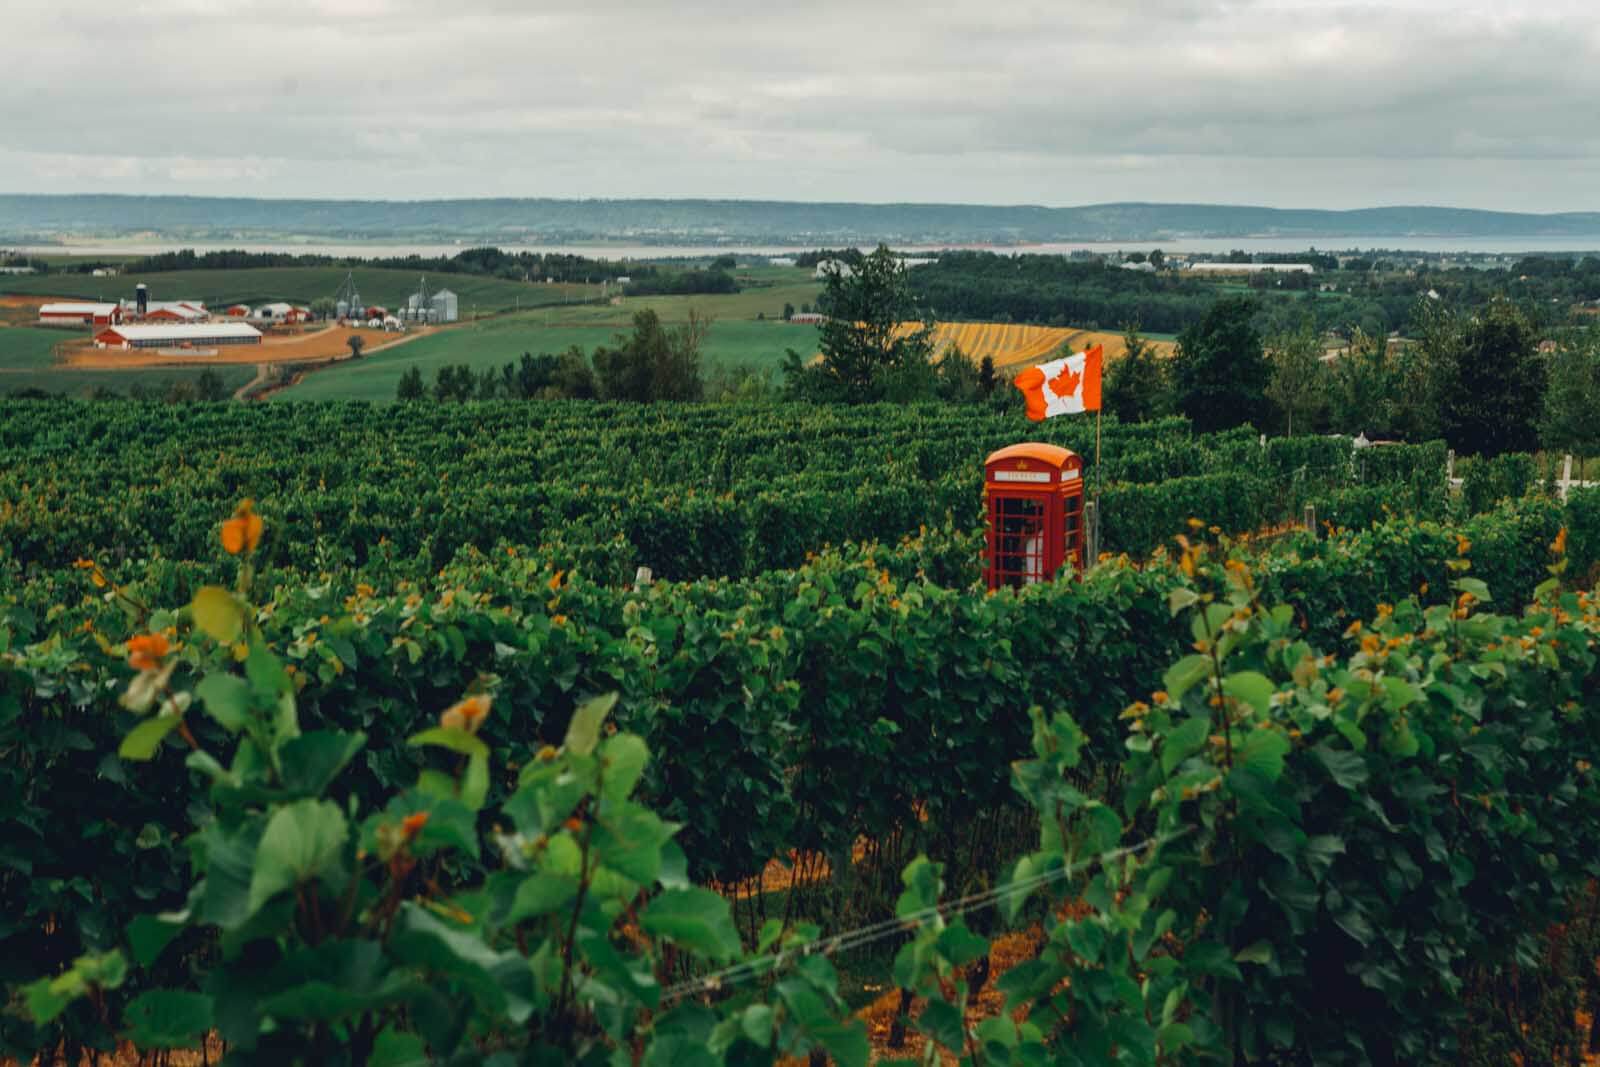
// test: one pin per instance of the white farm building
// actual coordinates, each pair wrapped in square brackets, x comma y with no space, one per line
[178,335]
[1252,268]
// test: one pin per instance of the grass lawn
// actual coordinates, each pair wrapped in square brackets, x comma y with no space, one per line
[26,348]
[731,342]
[218,288]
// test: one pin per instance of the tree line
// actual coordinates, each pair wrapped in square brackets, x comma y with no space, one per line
[1487,381]
[653,362]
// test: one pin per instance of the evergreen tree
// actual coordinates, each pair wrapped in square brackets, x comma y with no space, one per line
[411,386]
[1220,371]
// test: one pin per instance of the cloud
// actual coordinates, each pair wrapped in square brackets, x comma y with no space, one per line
[1293,102]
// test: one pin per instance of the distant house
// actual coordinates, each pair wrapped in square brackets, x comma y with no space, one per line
[238,311]
[623,279]
[780,261]
[808,317]
[104,272]
[16,270]
[1145,267]
[279,311]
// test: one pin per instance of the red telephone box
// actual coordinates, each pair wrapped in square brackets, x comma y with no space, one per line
[1034,504]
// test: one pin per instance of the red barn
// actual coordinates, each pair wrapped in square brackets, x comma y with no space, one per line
[67,314]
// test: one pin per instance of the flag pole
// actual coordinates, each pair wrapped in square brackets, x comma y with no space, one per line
[1099,479]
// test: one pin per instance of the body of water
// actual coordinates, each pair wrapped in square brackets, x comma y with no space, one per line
[1446,245]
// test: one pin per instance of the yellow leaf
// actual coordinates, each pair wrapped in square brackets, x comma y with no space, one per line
[218,614]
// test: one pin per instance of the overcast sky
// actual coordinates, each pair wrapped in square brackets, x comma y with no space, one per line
[1299,103]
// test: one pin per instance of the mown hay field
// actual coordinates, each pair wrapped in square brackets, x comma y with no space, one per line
[1011,344]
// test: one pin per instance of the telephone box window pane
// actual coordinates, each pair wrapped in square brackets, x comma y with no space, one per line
[1019,541]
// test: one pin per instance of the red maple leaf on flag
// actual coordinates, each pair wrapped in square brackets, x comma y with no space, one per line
[1065,383]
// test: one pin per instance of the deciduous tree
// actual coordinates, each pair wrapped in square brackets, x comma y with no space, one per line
[1298,384]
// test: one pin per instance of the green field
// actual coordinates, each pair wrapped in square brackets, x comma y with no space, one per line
[502,340]
[301,285]
[26,348]
[738,338]
[748,330]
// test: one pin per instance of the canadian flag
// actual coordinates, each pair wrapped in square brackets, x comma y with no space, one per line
[1063,386]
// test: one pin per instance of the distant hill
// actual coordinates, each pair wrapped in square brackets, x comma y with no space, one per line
[25,218]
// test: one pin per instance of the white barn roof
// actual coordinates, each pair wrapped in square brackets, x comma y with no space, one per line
[185,331]
[76,309]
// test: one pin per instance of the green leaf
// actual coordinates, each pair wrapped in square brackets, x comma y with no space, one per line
[542,894]
[1475,586]
[1263,753]
[143,740]
[475,781]
[846,1042]
[168,1018]
[301,841]
[674,873]
[218,613]
[631,843]
[1348,769]
[396,1048]
[1185,673]
[696,919]
[756,1024]
[422,939]
[226,698]
[624,756]
[1210,958]
[1398,693]
[959,945]
[583,733]
[1320,852]
[1251,687]
[312,761]
[1180,598]
[1259,952]
[1184,740]
[942,1022]
[1087,938]
[1013,900]
[455,740]
[148,935]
